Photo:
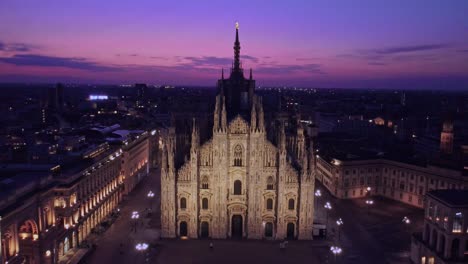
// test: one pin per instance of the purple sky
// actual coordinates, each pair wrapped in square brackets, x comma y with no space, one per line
[326,43]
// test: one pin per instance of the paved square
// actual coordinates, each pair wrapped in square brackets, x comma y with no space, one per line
[241,252]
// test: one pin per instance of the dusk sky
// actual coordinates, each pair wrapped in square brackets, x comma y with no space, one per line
[367,43]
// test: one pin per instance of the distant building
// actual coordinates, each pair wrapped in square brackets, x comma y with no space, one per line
[446,138]
[444,239]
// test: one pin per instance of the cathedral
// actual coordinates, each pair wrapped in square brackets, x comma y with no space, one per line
[240,182]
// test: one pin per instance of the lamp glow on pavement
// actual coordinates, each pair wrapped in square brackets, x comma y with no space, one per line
[336,250]
[406,220]
[141,246]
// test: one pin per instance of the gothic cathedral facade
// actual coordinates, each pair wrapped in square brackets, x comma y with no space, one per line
[238,184]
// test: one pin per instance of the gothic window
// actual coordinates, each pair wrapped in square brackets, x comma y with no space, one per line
[291,204]
[238,156]
[183,203]
[270,183]
[237,187]
[204,183]
[269,204]
[205,203]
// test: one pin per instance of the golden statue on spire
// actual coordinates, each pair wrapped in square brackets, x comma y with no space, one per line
[237,25]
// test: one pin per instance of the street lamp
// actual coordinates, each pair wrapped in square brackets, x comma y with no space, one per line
[135,216]
[328,207]
[141,247]
[317,194]
[369,203]
[339,223]
[407,222]
[335,250]
[150,195]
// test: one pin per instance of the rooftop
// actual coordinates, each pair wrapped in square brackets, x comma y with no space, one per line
[458,198]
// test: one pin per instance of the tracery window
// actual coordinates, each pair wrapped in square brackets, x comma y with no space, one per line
[270,183]
[204,184]
[238,156]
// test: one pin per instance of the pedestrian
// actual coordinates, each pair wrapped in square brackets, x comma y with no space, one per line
[211,245]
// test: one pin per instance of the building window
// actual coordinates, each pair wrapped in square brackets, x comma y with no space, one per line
[346,183]
[361,181]
[270,183]
[457,222]
[183,203]
[238,156]
[402,186]
[269,204]
[291,204]
[205,203]
[361,192]
[205,183]
[237,187]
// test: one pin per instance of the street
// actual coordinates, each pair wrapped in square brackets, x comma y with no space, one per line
[371,233]
[117,244]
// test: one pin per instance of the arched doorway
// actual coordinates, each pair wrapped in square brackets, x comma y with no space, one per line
[454,251]
[205,230]
[236,226]
[183,229]
[290,231]
[268,229]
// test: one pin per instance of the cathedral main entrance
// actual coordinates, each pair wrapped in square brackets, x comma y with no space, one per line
[290,231]
[204,230]
[236,226]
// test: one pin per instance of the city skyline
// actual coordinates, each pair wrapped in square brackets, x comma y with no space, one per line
[376,45]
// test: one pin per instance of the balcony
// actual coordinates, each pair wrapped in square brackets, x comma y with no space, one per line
[234,198]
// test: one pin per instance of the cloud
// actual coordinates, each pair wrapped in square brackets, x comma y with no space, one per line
[16,47]
[133,55]
[208,61]
[406,49]
[306,59]
[158,58]
[373,63]
[379,56]
[250,58]
[49,61]
[289,69]
[465,51]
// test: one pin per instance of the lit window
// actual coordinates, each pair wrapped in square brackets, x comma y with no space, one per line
[457,223]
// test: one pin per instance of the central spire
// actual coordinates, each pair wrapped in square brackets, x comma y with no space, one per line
[237,51]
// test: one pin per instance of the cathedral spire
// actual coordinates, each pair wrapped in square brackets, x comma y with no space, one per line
[216,115]
[195,136]
[222,73]
[261,118]
[223,115]
[253,116]
[250,73]
[236,67]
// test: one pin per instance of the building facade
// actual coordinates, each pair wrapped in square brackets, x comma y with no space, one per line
[51,219]
[444,238]
[238,183]
[400,181]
